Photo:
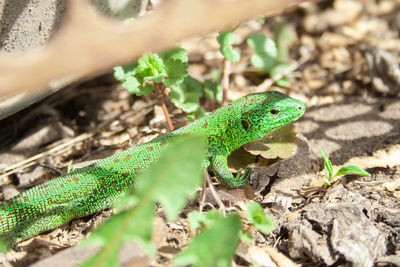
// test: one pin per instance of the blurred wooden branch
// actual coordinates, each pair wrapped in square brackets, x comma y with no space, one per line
[87,43]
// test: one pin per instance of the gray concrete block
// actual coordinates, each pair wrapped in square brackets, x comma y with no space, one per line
[27,24]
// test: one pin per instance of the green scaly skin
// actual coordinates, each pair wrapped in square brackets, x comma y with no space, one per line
[98,186]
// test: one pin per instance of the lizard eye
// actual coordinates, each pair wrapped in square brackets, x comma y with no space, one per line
[274,111]
[245,124]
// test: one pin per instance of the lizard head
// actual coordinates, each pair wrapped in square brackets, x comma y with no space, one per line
[263,112]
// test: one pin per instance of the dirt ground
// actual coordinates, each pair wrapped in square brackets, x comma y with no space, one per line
[347,74]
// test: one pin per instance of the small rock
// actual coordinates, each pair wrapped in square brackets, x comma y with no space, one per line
[384,69]
[343,226]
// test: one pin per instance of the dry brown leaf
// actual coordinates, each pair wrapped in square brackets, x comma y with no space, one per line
[280,259]
[280,143]
[388,157]
[392,185]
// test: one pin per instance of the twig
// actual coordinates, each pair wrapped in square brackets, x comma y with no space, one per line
[277,241]
[203,191]
[376,182]
[214,193]
[32,160]
[160,94]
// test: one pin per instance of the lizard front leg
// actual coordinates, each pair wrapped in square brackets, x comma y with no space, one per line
[220,165]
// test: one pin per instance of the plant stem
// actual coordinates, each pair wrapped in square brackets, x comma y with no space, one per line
[226,71]
[160,94]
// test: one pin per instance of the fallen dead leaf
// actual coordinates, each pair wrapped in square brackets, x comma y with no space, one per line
[392,185]
[388,157]
[280,259]
[280,143]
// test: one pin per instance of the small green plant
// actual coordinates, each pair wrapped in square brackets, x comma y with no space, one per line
[348,169]
[265,52]
[226,39]
[270,56]
[257,216]
[155,73]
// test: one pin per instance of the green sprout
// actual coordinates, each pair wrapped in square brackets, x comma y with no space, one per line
[348,169]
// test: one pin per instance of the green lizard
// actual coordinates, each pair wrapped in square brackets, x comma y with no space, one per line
[98,186]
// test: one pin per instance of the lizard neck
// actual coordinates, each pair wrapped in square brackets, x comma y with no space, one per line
[223,130]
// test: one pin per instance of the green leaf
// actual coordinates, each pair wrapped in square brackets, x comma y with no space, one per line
[196,219]
[121,73]
[213,88]
[177,53]
[129,201]
[352,169]
[176,71]
[283,83]
[131,80]
[186,95]
[199,221]
[134,77]
[214,246]
[246,237]
[176,63]
[151,68]
[146,90]
[279,68]
[265,52]
[257,216]
[165,182]
[226,40]
[3,247]
[133,86]
[135,225]
[328,167]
